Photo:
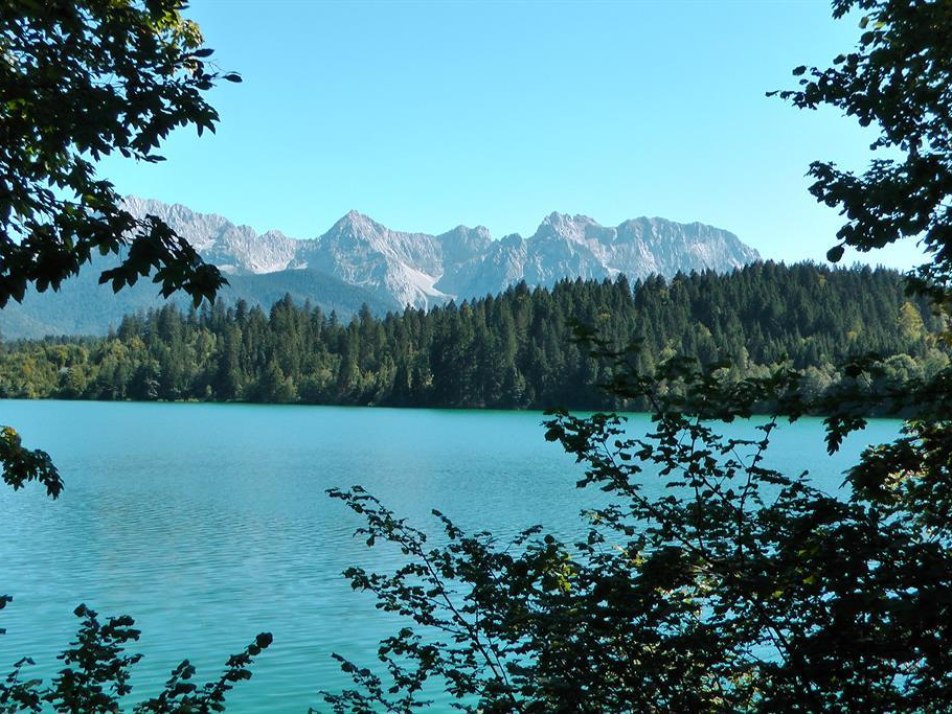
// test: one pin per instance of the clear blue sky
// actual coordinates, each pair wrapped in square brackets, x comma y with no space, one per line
[425,115]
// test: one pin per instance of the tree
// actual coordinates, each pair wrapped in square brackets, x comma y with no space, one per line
[738,588]
[80,80]
[898,80]
[95,675]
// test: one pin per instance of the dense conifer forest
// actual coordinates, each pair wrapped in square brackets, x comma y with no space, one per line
[515,350]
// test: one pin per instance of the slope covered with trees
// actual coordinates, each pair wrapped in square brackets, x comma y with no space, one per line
[515,350]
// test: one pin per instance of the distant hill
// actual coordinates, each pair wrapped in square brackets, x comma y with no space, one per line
[360,261]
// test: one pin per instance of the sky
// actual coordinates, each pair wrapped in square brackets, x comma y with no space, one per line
[428,115]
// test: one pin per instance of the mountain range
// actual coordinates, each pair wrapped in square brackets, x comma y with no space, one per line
[359,261]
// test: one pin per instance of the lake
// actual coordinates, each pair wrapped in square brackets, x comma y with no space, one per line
[210,523]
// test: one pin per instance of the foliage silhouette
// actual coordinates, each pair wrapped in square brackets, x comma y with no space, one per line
[896,80]
[713,582]
[96,673]
[79,81]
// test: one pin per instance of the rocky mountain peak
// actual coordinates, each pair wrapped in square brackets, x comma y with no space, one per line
[234,249]
[574,228]
[357,224]
[465,232]
[513,240]
[557,219]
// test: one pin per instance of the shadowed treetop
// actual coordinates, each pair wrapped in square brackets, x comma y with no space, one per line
[899,80]
[80,81]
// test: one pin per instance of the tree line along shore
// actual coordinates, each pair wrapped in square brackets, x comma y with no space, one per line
[517,350]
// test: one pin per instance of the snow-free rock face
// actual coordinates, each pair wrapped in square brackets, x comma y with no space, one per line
[638,247]
[236,250]
[362,252]
[579,247]
[359,261]
[423,270]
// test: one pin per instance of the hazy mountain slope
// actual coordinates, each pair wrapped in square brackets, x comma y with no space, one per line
[83,307]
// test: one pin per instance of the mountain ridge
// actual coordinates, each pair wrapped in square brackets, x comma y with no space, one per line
[360,260]
[422,269]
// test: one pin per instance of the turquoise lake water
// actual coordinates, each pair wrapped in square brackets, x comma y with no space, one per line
[210,523]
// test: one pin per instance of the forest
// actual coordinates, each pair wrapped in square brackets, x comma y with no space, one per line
[515,350]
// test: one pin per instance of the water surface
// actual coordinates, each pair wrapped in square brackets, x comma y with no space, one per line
[210,523]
